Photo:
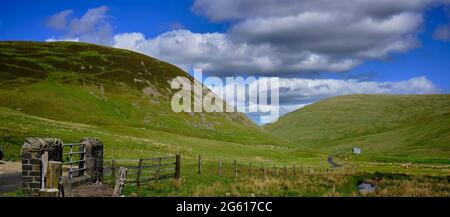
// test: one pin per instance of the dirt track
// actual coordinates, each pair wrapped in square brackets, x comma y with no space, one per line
[10,176]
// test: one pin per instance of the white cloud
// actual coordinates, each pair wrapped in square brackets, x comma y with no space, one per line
[94,26]
[226,10]
[216,52]
[296,93]
[130,41]
[314,88]
[268,36]
[303,91]
[59,21]
[288,36]
[53,39]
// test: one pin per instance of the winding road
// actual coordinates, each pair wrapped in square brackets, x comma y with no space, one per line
[332,163]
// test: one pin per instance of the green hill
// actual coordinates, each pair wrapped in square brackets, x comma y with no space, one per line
[386,127]
[90,86]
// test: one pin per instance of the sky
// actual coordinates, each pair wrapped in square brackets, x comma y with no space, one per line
[318,48]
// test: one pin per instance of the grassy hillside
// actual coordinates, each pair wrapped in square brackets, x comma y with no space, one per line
[76,90]
[386,127]
[89,85]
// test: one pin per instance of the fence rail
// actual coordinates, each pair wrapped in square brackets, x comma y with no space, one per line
[148,169]
[79,162]
[235,169]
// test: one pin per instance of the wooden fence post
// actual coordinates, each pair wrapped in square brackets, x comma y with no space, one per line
[138,178]
[293,170]
[54,172]
[220,166]
[177,166]
[113,169]
[235,170]
[120,183]
[199,164]
[262,170]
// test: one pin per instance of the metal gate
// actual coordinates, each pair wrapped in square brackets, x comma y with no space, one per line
[74,161]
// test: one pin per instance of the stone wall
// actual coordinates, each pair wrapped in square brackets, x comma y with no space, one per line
[94,158]
[32,150]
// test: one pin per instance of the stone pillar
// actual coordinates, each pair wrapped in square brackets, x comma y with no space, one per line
[32,150]
[94,158]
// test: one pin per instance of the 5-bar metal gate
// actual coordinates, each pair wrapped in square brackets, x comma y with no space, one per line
[74,161]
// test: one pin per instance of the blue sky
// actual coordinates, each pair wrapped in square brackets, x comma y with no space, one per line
[398,47]
[150,16]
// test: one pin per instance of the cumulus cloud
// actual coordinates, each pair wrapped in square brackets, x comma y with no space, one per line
[296,93]
[59,20]
[288,36]
[217,53]
[300,91]
[93,26]
[279,37]
[269,36]
[223,10]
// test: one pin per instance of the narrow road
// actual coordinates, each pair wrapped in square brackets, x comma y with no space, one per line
[332,163]
[9,182]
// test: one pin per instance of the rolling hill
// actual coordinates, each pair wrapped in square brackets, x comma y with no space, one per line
[48,87]
[386,127]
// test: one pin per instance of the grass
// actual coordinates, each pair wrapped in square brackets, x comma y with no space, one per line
[102,88]
[403,128]
[74,90]
[339,182]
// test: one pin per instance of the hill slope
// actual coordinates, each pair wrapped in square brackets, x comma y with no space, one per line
[404,126]
[103,87]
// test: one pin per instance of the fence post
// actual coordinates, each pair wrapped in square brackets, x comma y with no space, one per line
[54,172]
[293,170]
[235,170]
[199,164]
[251,169]
[120,183]
[220,166]
[81,164]
[138,179]
[177,167]
[262,169]
[113,169]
